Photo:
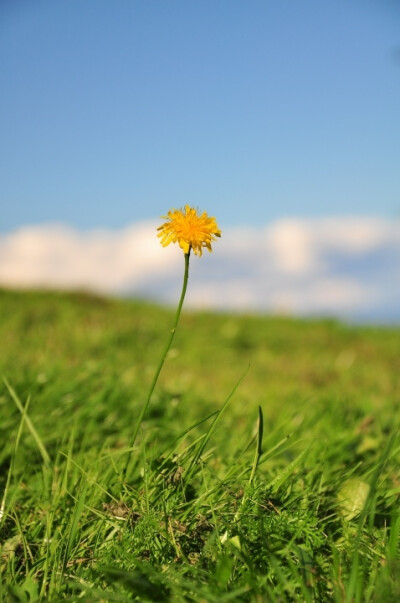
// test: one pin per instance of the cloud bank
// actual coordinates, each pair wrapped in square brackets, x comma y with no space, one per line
[343,267]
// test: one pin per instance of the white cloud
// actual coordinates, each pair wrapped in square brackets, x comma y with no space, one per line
[105,261]
[346,267]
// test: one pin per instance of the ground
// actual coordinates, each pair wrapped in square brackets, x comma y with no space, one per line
[266,467]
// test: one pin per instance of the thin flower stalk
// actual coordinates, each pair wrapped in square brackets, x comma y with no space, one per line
[190,230]
[166,349]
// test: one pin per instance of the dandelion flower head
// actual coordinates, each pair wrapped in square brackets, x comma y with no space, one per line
[190,229]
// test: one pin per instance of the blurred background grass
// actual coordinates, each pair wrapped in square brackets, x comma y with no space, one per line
[329,393]
[87,357]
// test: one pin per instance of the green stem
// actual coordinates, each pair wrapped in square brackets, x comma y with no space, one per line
[164,355]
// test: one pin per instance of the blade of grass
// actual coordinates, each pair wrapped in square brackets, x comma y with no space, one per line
[260,431]
[80,503]
[12,462]
[29,424]
[213,425]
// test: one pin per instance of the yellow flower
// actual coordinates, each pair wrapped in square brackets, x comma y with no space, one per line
[190,229]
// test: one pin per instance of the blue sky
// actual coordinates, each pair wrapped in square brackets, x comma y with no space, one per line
[113,112]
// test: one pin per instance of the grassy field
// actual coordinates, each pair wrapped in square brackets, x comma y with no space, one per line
[267,467]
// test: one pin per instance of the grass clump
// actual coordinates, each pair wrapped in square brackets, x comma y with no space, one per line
[296,502]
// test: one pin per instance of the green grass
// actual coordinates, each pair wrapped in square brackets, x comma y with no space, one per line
[200,514]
